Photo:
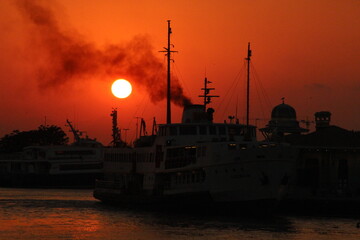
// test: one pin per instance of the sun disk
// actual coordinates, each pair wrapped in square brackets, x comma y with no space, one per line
[121,88]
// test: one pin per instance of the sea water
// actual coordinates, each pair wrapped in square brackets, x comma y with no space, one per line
[75,214]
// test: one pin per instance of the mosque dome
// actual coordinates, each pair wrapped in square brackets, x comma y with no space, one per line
[283,121]
[283,111]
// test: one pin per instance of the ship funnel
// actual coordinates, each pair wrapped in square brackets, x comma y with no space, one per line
[195,113]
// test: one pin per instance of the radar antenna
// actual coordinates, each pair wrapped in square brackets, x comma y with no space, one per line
[115,130]
[206,96]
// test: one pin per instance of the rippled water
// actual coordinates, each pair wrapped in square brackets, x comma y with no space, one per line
[74,214]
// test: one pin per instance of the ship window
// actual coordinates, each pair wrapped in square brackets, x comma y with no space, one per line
[238,131]
[212,130]
[242,146]
[203,175]
[187,130]
[162,131]
[89,166]
[251,130]
[201,151]
[204,151]
[173,131]
[42,154]
[180,157]
[232,146]
[202,130]
[198,153]
[222,130]
[75,152]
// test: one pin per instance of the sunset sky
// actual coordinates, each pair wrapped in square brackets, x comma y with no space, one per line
[59,58]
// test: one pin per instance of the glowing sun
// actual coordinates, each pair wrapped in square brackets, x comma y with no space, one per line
[121,88]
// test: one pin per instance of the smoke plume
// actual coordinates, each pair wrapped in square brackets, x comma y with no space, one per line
[70,58]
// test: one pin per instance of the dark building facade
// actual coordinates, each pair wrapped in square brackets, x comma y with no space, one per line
[327,170]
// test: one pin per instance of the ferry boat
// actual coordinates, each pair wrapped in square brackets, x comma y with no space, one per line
[197,162]
[61,166]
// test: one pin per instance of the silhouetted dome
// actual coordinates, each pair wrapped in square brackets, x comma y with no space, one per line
[283,121]
[283,111]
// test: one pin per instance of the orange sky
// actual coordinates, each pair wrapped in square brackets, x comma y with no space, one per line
[306,51]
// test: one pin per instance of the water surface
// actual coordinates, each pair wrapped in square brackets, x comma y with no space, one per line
[75,214]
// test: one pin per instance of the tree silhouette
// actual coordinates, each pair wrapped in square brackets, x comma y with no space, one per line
[44,135]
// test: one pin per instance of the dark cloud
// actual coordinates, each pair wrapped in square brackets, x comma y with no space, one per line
[69,57]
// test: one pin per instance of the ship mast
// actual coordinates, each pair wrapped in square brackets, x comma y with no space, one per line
[168,54]
[206,96]
[248,86]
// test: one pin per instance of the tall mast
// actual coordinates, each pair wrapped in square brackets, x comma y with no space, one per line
[248,86]
[168,54]
[168,113]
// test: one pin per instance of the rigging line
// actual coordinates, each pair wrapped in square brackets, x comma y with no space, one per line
[137,110]
[156,76]
[226,100]
[177,71]
[135,117]
[233,87]
[257,88]
[261,93]
[267,99]
[238,89]
[234,82]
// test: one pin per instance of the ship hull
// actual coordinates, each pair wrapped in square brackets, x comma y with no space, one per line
[75,180]
[200,202]
[245,185]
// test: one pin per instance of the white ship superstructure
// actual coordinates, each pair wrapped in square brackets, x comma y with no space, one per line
[211,162]
[197,161]
[70,166]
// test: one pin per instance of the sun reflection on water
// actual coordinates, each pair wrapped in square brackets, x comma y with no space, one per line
[61,214]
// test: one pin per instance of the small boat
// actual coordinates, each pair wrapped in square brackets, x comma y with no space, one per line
[61,166]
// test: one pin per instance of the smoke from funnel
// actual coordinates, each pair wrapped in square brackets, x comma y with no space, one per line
[70,58]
